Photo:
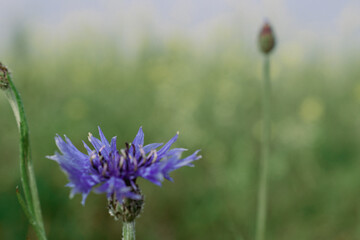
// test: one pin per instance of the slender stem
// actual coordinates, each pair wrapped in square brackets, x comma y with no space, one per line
[262,195]
[26,168]
[128,230]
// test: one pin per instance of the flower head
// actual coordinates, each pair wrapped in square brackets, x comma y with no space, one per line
[105,169]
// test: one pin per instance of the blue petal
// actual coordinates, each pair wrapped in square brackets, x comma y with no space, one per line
[103,138]
[95,142]
[110,186]
[152,173]
[72,155]
[128,194]
[151,146]
[175,152]
[167,146]
[113,144]
[139,139]
[84,196]
[118,187]
[188,160]
[76,165]
[100,147]
[159,171]
[89,151]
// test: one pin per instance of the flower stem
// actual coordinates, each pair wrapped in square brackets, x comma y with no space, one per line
[32,202]
[129,230]
[262,195]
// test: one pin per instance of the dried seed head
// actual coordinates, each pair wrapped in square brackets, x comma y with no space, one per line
[266,39]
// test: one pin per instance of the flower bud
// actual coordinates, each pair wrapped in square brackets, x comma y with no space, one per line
[266,39]
[4,82]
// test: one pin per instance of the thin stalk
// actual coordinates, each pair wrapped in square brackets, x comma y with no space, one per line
[128,230]
[262,195]
[26,168]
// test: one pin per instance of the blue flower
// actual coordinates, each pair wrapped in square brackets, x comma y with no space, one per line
[105,169]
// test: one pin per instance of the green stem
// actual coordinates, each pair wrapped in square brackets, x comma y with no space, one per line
[26,168]
[262,195]
[128,230]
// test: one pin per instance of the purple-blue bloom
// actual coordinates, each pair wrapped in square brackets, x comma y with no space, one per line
[105,169]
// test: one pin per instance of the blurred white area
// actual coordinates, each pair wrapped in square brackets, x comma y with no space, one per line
[332,26]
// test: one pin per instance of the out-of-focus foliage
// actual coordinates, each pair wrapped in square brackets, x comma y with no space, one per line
[213,99]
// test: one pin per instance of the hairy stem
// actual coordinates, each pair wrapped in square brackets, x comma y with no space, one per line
[262,195]
[26,168]
[128,230]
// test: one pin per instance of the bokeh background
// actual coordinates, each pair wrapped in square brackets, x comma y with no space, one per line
[191,66]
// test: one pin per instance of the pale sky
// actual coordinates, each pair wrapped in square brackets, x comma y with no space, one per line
[305,24]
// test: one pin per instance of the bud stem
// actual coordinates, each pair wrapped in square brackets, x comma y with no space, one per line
[262,195]
[128,230]
[32,201]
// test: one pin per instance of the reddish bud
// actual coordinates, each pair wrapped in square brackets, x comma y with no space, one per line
[266,39]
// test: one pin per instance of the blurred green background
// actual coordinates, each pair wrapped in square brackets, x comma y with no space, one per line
[213,99]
